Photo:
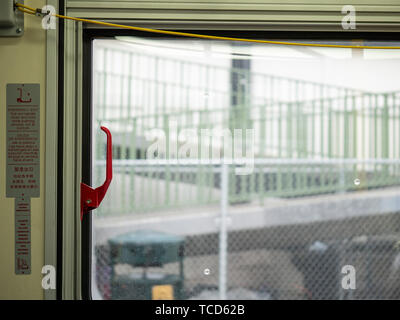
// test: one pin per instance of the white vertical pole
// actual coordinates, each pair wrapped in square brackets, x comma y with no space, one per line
[223,236]
[342,178]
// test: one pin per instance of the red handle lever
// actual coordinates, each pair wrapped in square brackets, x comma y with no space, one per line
[91,198]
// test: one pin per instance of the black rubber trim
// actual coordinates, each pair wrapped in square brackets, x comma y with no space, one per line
[86,163]
[60,146]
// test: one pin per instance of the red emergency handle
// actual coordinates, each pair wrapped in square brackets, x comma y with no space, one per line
[91,198]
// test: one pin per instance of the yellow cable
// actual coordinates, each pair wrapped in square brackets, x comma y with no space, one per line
[26,11]
[203,36]
[22,6]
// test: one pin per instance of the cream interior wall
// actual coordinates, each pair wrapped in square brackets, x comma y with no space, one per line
[22,60]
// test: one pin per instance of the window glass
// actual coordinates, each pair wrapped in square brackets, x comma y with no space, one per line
[246,171]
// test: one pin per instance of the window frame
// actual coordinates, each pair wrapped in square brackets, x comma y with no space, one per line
[74,91]
[88,36]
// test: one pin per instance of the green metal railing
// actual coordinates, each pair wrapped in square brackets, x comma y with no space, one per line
[294,120]
[143,185]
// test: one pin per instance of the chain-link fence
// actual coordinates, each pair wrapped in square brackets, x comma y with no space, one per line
[292,244]
[315,216]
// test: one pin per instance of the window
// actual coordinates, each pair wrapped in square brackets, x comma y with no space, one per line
[245,171]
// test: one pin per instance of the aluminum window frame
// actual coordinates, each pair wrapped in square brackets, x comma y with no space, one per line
[74,235]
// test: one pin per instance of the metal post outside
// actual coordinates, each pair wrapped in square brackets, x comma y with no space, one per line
[223,234]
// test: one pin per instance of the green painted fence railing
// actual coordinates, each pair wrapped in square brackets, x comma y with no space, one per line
[302,122]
